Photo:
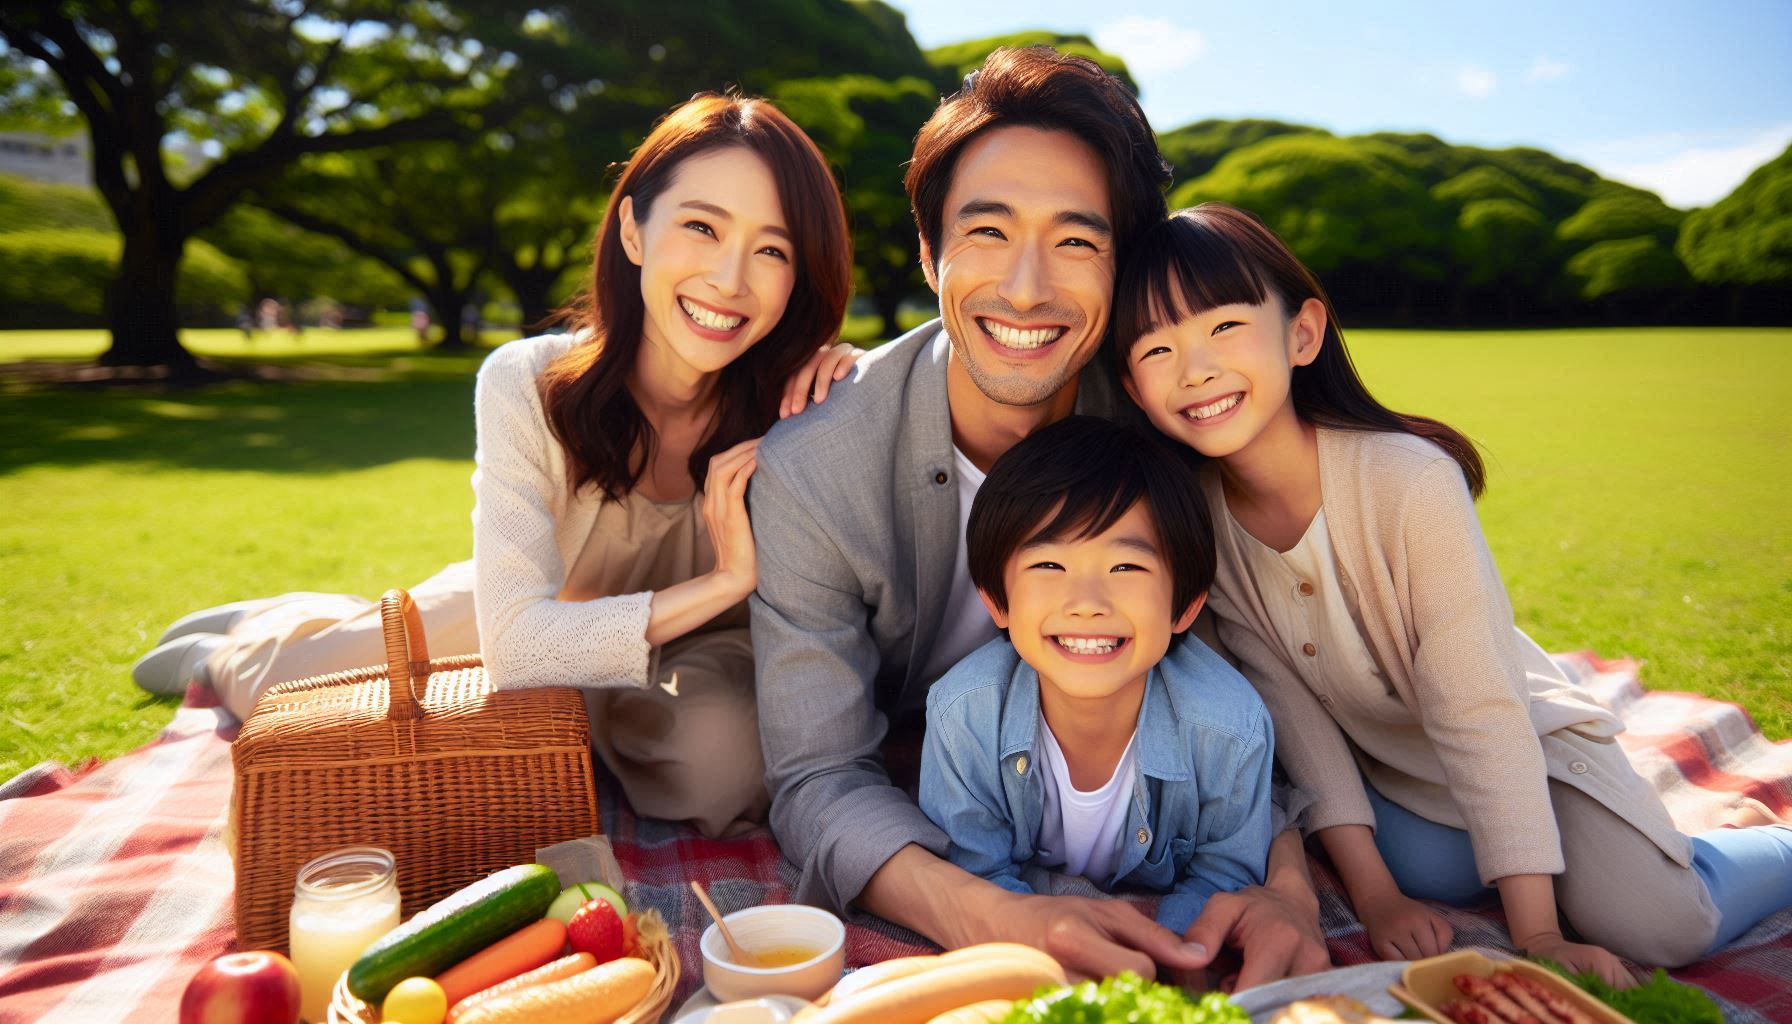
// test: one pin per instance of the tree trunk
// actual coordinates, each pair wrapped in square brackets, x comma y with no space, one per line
[446,303]
[530,286]
[140,306]
[888,303]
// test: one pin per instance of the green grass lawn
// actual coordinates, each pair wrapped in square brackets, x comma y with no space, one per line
[1638,502]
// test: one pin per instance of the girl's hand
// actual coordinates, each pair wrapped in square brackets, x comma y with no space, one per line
[1579,957]
[812,380]
[725,514]
[1402,928]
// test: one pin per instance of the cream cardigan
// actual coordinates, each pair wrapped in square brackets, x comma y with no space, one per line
[529,532]
[1435,614]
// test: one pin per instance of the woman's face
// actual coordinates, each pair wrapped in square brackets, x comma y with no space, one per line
[717,263]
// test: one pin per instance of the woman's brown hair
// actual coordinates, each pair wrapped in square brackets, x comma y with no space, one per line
[1216,254]
[584,393]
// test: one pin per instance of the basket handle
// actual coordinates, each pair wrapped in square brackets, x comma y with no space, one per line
[407,656]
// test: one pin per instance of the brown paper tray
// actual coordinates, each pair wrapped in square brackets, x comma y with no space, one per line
[1426,985]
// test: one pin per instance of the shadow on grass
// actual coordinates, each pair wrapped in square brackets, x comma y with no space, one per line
[278,416]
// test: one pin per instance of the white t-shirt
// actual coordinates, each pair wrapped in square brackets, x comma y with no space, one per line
[966,625]
[1079,833]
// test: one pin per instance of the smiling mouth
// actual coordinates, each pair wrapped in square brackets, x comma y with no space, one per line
[1018,338]
[1213,408]
[1091,645]
[703,316]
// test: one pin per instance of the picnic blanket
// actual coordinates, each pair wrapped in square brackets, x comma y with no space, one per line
[115,885]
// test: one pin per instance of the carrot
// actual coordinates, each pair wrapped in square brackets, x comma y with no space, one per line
[565,967]
[597,996]
[521,951]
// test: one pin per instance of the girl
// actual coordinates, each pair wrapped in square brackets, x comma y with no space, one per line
[611,549]
[1447,753]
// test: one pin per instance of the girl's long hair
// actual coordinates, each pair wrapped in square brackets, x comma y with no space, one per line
[585,395]
[1216,254]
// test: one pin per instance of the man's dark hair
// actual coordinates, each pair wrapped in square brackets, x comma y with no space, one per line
[1075,479]
[1038,87]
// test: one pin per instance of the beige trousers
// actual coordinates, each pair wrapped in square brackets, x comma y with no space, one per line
[1621,892]
[693,756]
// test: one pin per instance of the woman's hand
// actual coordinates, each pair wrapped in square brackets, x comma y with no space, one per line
[811,381]
[1402,928]
[1580,958]
[725,514]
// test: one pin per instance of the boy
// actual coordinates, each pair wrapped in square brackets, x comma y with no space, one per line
[1080,742]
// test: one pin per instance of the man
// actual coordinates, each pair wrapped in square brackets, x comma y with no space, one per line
[1025,185]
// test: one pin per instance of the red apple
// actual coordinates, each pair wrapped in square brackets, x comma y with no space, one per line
[243,988]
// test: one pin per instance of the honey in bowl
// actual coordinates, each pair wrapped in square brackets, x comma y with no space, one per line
[780,956]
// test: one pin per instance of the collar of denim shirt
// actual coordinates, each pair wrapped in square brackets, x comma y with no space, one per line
[1157,749]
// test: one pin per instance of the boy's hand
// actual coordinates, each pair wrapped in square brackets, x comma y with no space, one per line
[1402,928]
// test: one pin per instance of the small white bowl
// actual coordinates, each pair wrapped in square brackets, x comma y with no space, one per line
[774,927]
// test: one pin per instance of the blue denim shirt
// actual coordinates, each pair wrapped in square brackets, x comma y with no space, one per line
[1200,821]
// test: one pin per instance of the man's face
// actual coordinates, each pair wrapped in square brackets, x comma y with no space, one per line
[1025,269]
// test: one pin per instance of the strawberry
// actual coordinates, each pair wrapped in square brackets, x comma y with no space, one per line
[596,929]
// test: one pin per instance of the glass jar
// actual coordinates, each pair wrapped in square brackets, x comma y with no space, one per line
[341,903]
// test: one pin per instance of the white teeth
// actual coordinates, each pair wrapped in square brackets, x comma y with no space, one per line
[1214,409]
[1088,644]
[1012,338]
[713,321]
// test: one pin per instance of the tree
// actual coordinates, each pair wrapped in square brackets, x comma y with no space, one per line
[260,83]
[1745,238]
[1622,213]
[1194,149]
[401,206]
[1626,268]
[955,60]
[1356,210]
[866,126]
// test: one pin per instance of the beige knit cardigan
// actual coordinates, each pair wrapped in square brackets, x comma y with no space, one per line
[1436,616]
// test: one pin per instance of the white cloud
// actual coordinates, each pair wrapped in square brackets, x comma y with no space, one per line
[1477,82]
[1149,45]
[1695,173]
[1545,68]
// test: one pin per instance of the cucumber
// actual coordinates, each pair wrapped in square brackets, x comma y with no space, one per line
[453,929]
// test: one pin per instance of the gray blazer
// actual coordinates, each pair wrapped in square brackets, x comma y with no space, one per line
[855,515]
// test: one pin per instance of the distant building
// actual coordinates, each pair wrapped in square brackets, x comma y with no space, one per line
[64,161]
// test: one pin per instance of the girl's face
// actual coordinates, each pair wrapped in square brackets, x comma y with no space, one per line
[1220,378]
[717,263]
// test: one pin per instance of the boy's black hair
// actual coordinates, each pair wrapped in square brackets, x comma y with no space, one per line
[1076,478]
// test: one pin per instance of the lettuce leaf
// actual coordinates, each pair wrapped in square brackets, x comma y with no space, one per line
[1124,999]
[1660,1000]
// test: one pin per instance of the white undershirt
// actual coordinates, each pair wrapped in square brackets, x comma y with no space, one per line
[966,625]
[1079,832]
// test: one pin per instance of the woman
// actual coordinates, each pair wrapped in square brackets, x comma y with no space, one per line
[611,546]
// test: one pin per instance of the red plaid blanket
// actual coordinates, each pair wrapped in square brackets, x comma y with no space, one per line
[115,886]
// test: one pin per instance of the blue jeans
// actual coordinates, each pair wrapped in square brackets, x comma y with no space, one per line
[1746,871]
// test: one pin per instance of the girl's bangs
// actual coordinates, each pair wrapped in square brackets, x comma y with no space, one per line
[1182,267]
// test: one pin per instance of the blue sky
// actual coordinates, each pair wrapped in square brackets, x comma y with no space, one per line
[1681,98]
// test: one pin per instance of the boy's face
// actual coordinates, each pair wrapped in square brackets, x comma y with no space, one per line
[1092,615]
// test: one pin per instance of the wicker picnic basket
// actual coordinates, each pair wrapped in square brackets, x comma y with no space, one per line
[420,757]
[656,949]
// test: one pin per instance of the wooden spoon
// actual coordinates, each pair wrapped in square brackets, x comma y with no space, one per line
[741,956]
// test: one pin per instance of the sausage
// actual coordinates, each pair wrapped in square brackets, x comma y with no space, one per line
[1558,1004]
[1464,1012]
[1487,994]
[1508,983]
[921,997]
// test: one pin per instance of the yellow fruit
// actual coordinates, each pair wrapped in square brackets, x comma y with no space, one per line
[415,1001]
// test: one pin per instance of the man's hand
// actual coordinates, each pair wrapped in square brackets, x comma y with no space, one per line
[1094,938]
[1278,936]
